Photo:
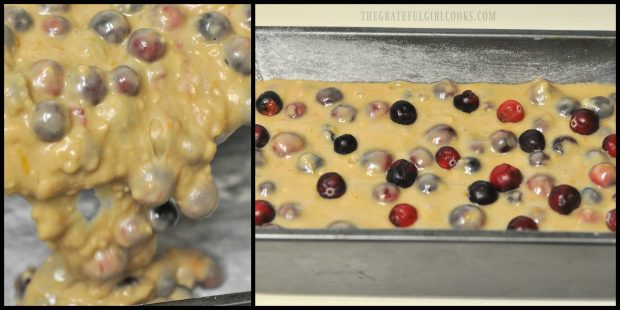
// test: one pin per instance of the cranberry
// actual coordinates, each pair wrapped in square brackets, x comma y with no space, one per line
[345,144]
[609,145]
[466,102]
[611,220]
[376,161]
[167,16]
[540,184]
[421,157]
[505,177]
[377,108]
[522,223]
[482,193]
[263,212]
[532,140]
[269,103]
[403,215]
[440,134]
[584,122]
[402,173]
[344,113]
[286,143]
[126,80]
[447,157]
[564,199]
[47,76]
[56,26]
[603,175]
[261,136]
[146,45]
[467,217]
[510,111]
[331,185]
[403,112]
[385,192]
[295,109]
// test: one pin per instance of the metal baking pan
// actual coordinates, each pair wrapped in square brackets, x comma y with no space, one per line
[440,263]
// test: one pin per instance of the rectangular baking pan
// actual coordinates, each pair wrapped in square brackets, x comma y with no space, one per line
[438,263]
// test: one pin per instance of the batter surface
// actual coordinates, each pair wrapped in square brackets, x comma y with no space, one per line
[301,148]
[130,100]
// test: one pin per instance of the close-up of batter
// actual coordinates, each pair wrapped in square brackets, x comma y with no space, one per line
[132,101]
[532,156]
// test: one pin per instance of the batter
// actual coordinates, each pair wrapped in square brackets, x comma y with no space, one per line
[305,140]
[130,100]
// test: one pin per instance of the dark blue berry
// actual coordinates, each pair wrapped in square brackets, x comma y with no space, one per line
[402,112]
[532,140]
[466,102]
[402,173]
[482,193]
[345,144]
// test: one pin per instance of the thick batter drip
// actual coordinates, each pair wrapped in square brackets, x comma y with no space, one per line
[76,118]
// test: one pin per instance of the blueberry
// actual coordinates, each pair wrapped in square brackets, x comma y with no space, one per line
[345,144]
[440,134]
[269,103]
[49,121]
[129,9]
[482,193]
[309,163]
[591,196]
[466,102]
[341,225]
[239,55]
[427,183]
[402,173]
[9,39]
[165,216]
[503,141]
[328,96]
[90,85]
[126,80]
[566,106]
[259,158]
[602,106]
[467,217]
[538,158]
[532,140]
[214,26]
[266,188]
[559,143]
[331,185]
[111,26]
[22,281]
[444,89]
[402,112]
[514,196]
[470,165]
[343,113]
[17,18]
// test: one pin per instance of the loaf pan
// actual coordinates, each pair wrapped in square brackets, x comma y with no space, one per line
[437,263]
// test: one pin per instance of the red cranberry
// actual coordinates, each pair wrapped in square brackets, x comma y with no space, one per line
[540,184]
[403,215]
[447,157]
[386,192]
[611,220]
[522,223]
[295,109]
[603,175]
[609,145]
[331,185]
[263,212]
[146,45]
[584,122]
[269,103]
[564,199]
[505,177]
[167,16]
[510,111]
[56,26]
[261,136]
[466,102]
